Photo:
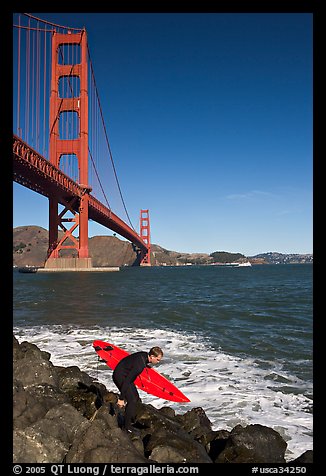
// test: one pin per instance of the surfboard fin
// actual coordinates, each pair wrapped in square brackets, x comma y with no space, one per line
[108,347]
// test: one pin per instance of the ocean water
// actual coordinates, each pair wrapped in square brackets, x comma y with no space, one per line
[237,341]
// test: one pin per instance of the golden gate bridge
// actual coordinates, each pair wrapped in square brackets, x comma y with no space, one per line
[61,148]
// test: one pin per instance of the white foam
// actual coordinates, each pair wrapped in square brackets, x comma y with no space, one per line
[230,389]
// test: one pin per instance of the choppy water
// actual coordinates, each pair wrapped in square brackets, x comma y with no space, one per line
[236,341]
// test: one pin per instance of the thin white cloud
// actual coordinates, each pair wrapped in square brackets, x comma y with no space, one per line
[284,212]
[246,195]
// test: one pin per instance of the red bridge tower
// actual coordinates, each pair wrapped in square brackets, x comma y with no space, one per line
[145,235]
[69,137]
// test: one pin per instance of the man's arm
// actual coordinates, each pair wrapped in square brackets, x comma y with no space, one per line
[137,365]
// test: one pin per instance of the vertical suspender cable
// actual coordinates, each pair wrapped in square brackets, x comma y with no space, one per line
[27,88]
[18,83]
[91,131]
[33,101]
[33,87]
[38,79]
[44,96]
[108,144]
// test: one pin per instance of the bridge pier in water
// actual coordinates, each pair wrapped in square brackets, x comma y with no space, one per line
[71,263]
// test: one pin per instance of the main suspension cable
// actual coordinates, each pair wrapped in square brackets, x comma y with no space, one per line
[107,139]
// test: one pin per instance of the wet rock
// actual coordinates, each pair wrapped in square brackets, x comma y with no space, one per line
[253,444]
[30,446]
[32,369]
[32,404]
[306,457]
[171,445]
[215,442]
[195,422]
[69,378]
[101,441]
[166,440]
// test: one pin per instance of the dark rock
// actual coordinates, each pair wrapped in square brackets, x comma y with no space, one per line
[32,366]
[63,415]
[172,445]
[33,403]
[33,372]
[195,422]
[30,351]
[101,441]
[85,397]
[166,440]
[167,411]
[215,442]
[70,377]
[306,457]
[253,444]
[19,399]
[49,439]
[30,447]
[16,352]
[61,422]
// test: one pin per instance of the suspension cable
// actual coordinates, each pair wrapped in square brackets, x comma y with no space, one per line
[52,24]
[98,178]
[107,139]
[98,101]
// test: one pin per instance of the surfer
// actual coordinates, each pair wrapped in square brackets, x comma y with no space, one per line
[124,375]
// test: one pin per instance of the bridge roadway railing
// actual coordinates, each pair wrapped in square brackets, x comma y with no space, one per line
[35,172]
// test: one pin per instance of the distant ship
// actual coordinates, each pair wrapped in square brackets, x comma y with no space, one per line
[28,269]
[234,265]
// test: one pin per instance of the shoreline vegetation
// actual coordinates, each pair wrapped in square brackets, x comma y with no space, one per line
[62,415]
[30,244]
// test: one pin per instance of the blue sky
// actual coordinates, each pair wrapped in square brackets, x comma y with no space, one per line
[209,117]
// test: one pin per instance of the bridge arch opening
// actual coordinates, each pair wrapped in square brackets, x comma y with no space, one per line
[69,53]
[69,86]
[68,125]
[68,163]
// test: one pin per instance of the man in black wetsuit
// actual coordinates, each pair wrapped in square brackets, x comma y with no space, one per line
[124,375]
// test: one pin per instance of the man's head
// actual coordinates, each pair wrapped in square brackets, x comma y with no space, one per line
[155,355]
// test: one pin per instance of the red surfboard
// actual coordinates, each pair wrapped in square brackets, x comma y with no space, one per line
[149,380]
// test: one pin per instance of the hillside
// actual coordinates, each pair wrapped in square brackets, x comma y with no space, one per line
[272,257]
[30,244]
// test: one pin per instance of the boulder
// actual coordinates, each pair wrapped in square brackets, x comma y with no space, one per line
[253,444]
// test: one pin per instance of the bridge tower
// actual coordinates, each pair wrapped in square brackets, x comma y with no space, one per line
[145,235]
[70,103]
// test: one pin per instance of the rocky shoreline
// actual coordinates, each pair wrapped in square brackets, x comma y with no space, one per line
[62,415]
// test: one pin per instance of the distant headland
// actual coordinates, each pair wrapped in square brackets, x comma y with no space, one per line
[30,244]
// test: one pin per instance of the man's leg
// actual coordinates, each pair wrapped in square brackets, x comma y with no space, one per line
[132,398]
[119,411]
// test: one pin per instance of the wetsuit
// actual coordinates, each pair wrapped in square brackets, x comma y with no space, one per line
[123,376]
